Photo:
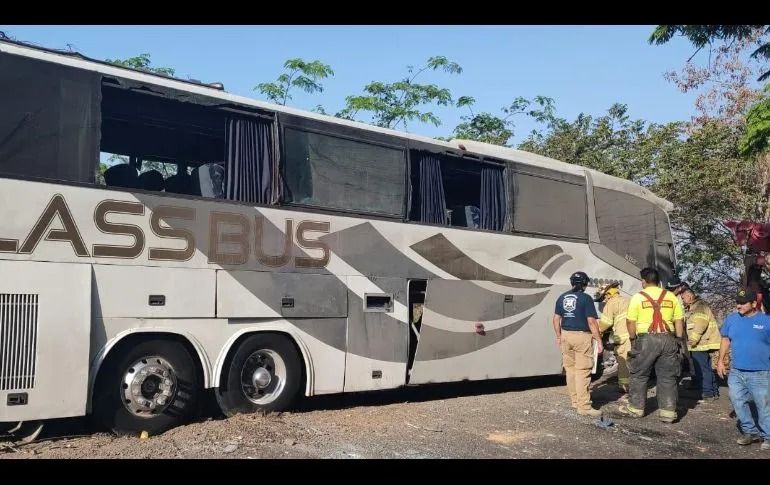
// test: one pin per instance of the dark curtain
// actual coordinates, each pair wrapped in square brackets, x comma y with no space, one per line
[250,161]
[509,176]
[432,199]
[492,198]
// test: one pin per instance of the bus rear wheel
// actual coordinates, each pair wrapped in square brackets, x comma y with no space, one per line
[152,386]
[264,375]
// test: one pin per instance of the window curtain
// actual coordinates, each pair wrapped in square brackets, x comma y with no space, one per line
[251,161]
[493,204]
[510,196]
[432,199]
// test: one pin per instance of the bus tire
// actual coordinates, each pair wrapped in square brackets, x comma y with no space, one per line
[264,375]
[152,386]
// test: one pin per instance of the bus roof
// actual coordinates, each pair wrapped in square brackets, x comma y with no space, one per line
[216,90]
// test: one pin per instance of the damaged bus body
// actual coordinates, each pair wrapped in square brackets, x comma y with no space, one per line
[263,251]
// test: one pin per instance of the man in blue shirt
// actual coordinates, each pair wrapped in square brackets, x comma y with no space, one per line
[747,333]
[575,324]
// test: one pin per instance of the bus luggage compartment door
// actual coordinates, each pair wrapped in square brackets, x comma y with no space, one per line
[45,330]
[377,338]
[473,330]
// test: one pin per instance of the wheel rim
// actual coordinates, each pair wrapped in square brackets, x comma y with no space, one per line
[263,376]
[148,387]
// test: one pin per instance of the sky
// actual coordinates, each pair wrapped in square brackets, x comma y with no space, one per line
[583,68]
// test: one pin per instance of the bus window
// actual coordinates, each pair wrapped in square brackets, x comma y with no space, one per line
[544,205]
[154,143]
[457,192]
[49,119]
[462,187]
[337,173]
[627,226]
[185,148]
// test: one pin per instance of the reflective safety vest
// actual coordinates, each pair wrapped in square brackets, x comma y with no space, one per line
[658,325]
[645,304]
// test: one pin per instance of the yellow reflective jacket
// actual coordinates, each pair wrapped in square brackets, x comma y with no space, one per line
[614,316]
[702,329]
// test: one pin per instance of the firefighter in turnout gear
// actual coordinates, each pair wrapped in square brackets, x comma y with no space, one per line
[614,317]
[655,328]
[677,287]
[703,339]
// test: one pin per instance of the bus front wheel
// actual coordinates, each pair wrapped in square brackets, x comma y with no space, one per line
[264,375]
[151,386]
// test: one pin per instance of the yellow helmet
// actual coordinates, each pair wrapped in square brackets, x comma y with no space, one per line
[607,291]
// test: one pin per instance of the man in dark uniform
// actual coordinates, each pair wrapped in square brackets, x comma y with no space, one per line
[576,328]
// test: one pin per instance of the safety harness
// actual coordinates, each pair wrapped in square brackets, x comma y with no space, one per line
[658,324]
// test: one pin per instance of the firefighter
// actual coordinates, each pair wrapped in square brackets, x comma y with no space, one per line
[703,338]
[655,328]
[574,322]
[614,317]
[677,287]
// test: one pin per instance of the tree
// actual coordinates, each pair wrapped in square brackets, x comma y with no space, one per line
[709,182]
[143,63]
[299,74]
[698,169]
[403,101]
[612,143]
[725,77]
[498,130]
[755,140]
[320,110]
[707,35]
[734,162]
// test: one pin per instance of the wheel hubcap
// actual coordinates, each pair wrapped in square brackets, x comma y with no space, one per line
[149,386]
[263,376]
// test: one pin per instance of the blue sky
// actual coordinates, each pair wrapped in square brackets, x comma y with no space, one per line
[584,68]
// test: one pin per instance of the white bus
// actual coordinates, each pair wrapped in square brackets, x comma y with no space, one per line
[263,251]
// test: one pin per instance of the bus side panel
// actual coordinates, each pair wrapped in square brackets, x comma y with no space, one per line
[472,333]
[44,308]
[152,292]
[257,294]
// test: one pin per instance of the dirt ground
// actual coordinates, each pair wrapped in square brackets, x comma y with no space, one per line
[519,418]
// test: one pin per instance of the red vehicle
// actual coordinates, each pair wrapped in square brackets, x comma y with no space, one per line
[754,238]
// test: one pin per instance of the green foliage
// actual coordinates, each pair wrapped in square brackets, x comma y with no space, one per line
[612,143]
[403,101]
[498,130]
[755,139]
[142,62]
[298,74]
[709,182]
[320,110]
